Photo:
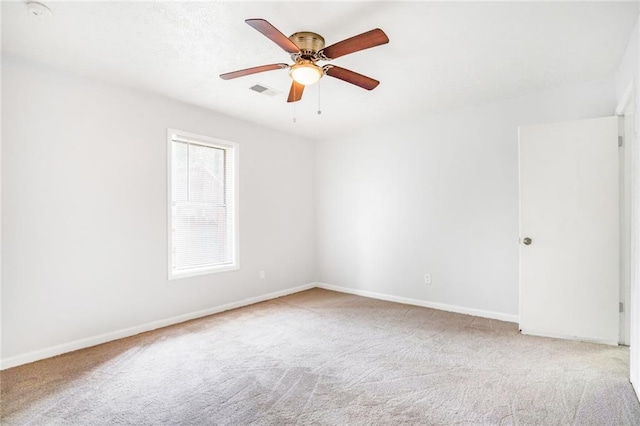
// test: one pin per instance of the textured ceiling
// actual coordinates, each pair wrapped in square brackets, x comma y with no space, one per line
[441,55]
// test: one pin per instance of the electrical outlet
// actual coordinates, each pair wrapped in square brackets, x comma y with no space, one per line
[262,275]
[427,278]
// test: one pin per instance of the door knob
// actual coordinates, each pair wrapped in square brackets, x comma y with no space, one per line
[527,241]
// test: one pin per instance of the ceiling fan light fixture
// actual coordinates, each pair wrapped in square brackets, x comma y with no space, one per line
[306,72]
[305,49]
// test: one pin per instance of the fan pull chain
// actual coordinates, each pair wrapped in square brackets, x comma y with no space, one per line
[319,110]
[294,111]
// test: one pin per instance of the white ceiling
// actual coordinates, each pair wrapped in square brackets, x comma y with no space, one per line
[441,55]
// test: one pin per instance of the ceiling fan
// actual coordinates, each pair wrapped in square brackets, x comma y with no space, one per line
[306,49]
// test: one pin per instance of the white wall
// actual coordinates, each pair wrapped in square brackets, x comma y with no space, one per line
[84,191]
[436,194]
[84,199]
[628,68]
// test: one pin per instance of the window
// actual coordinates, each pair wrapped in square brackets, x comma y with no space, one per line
[202,205]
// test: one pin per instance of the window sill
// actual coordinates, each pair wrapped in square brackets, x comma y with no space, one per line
[202,271]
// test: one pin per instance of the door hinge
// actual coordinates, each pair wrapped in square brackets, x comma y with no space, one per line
[620,141]
[621,307]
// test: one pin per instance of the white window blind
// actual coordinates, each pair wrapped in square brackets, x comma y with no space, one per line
[202,206]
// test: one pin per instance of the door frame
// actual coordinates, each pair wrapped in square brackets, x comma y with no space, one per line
[625,155]
[630,229]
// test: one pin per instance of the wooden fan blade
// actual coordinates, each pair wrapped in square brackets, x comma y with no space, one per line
[352,77]
[363,41]
[273,34]
[254,70]
[295,93]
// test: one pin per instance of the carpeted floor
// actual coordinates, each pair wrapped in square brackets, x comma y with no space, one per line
[320,357]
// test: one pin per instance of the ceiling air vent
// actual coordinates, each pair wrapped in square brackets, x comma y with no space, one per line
[264,90]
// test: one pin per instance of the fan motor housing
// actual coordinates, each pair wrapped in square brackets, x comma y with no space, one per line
[309,43]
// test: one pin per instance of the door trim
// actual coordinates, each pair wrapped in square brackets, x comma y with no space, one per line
[628,105]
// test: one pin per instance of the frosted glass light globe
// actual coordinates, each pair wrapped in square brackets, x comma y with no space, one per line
[306,73]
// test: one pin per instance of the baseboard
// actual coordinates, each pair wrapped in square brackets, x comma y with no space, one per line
[567,337]
[131,331]
[426,304]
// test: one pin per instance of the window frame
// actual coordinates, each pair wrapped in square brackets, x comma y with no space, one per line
[232,153]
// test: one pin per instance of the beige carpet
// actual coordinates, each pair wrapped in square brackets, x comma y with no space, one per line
[320,357]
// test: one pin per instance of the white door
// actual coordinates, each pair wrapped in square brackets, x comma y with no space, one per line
[569,230]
